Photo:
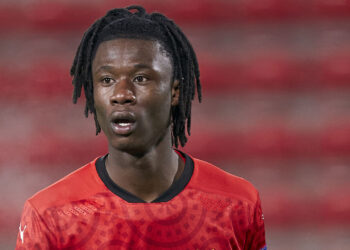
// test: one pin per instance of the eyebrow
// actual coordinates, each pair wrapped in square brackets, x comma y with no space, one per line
[137,66]
[141,66]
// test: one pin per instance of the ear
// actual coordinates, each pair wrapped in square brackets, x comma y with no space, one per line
[175,93]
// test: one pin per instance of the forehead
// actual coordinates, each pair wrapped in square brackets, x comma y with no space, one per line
[129,50]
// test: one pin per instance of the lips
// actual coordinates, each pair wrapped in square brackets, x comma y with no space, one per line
[123,123]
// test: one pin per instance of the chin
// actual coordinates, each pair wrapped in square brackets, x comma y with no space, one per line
[138,144]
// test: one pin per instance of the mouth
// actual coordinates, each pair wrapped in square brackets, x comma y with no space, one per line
[123,123]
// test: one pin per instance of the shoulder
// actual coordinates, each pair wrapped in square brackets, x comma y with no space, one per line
[75,186]
[211,179]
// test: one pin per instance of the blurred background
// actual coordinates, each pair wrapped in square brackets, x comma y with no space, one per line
[276,105]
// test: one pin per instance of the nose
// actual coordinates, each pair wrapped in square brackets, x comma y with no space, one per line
[123,93]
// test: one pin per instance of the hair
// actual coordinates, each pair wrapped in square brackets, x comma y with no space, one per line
[122,23]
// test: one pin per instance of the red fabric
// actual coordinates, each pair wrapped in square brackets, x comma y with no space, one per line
[216,210]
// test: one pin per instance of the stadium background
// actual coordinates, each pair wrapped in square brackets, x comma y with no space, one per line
[276,106]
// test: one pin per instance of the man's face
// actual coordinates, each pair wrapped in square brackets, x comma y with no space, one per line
[133,93]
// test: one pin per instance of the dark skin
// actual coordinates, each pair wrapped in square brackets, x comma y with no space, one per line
[133,94]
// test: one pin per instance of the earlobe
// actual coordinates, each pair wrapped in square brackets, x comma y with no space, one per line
[175,92]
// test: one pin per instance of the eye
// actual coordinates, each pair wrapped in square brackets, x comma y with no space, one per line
[107,80]
[140,79]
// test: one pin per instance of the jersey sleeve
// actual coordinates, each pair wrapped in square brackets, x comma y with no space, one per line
[255,239]
[33,231]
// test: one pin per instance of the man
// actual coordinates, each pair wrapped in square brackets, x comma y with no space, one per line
[139,74]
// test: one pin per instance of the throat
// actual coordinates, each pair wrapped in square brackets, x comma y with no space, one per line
[147,178]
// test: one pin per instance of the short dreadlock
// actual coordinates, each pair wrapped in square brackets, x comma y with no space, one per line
[122,23]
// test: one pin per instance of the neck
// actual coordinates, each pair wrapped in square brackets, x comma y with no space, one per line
[146,175]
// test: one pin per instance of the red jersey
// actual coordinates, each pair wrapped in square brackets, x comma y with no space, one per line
[206,208]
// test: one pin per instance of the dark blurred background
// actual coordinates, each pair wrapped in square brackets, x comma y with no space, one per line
[276,105]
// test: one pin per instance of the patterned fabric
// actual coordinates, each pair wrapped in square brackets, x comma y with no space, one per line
[215,210]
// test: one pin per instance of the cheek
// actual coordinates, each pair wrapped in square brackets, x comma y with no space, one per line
[101,96]
[159,105]
[100,103]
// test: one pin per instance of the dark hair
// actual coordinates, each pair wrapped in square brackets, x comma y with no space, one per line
[122,22]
